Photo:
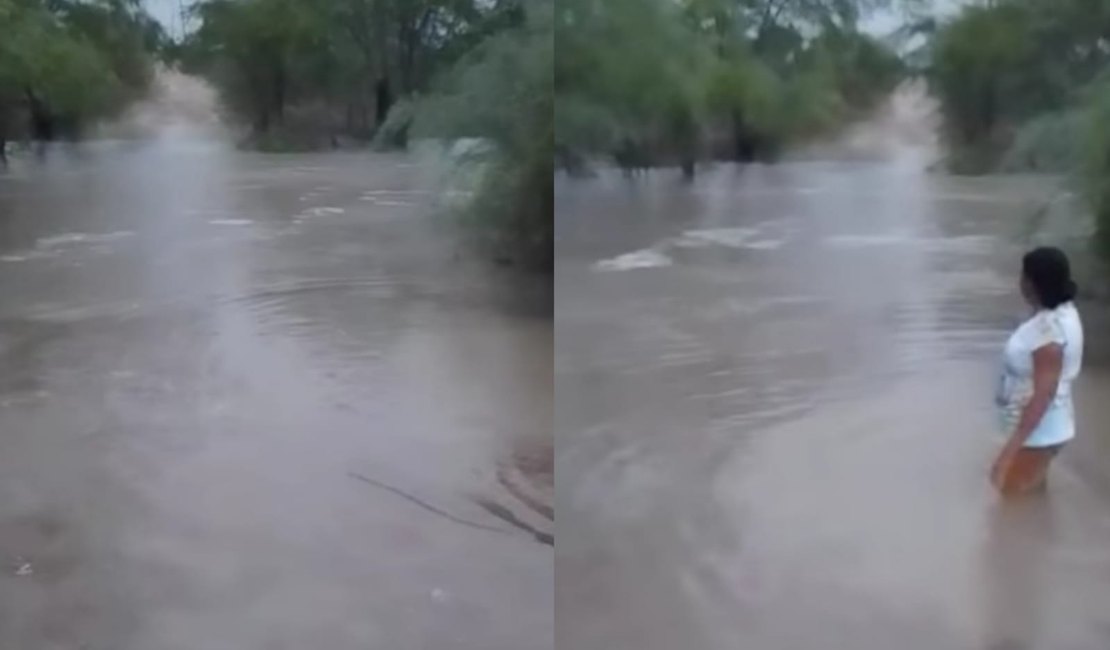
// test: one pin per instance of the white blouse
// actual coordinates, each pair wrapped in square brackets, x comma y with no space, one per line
[1063,327]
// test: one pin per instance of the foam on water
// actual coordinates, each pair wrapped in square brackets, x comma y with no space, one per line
[72,238]
[643,259]
[729,237]
[321,212]
[25,256]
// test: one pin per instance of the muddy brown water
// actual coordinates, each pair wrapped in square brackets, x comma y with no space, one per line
[199,351]
[773,418]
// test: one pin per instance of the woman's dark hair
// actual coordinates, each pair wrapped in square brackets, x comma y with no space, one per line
[1049,274]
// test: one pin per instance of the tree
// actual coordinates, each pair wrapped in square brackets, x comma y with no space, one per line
[501,93]
[1095,170]
[348,62]
[627,73]
[63,63]
[998,69]
[652,80]
[1022,85]
[980,62]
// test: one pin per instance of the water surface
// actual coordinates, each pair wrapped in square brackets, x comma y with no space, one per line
[200,349]
[773,417]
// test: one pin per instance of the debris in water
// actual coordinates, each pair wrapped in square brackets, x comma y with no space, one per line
[424,504]
[506,515]
[23,568]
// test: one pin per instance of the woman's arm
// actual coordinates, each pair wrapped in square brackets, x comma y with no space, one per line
[1048,362]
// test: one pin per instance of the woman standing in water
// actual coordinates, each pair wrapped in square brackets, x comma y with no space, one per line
[1042,358]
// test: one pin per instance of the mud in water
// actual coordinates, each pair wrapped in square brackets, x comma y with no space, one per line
[774,417]
[199,348]
[529,474]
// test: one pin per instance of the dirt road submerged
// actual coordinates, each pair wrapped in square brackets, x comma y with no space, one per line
[201,351]
[773,416]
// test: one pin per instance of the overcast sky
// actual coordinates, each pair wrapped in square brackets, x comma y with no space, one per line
[884,22]
[167,12]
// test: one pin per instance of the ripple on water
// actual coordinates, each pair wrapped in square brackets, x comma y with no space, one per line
[961,244]
[320,212]
[52,246]
[52,313]
[282,304]
[741,238]
[73,238]
[278,291]
[395,198]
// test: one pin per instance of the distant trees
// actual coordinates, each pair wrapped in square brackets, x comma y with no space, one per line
[304,69]
[501,94]
[66,62]
[302,73]
[656,82]
[1023,85]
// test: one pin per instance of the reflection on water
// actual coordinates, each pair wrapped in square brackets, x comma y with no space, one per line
[198,349]
[774,418]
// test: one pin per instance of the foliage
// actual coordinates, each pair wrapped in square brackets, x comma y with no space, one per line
[654,80]
[1096,163]
[65,62]
[1022,87]
[382,69]
[501,95]
[623,68]
[997,68]
[980,70]
[394,132]
[1047,143]
[255,46]
[351,59]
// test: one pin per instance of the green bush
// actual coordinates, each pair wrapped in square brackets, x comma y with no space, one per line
[501,95]
[1096,167]
[65,63]
[1048,143]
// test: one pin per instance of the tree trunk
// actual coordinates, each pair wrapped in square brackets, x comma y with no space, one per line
[383,99]
[744,148]
[279,93]
[262,120]
[689,169]
[43,126]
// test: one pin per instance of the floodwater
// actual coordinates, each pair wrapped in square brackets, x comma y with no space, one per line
[774,417]
[259,402]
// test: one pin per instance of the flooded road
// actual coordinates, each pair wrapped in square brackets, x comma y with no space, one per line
[774,418]
[253,401]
